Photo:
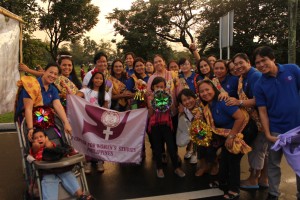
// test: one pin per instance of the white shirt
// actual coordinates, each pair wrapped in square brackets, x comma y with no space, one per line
[92,96]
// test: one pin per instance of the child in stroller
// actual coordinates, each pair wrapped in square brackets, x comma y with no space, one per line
[50,181]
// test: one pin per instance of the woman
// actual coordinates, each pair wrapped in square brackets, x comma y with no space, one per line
[149,68]
[257,158]
[135,82]
[173,66]
[120,94]
[228,82]
[225,120]
[205,69]
[230,65]
[49,97]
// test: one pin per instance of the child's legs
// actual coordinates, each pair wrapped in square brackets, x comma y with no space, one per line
[171,145]
[69,182]
[274,172]
[50,187]
[156,135]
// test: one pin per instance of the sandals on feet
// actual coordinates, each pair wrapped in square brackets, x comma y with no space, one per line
[86,197]
[231,196]
[214,184]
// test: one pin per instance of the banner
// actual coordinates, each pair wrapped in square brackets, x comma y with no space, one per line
[107,134]
[9,62]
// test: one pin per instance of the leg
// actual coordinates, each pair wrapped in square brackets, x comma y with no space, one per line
[70,183]
[50,187]
[274,172]
[156,136]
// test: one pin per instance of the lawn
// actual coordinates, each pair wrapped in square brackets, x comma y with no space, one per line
[7,117]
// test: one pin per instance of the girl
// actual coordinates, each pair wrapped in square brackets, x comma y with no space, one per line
[149,68]
[160,128]
[95,94]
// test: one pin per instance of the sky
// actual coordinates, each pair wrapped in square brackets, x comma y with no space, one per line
[103,30]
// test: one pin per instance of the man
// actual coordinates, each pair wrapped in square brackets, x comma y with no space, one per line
[100,61]
[278,101]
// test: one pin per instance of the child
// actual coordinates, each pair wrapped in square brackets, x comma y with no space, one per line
[160,128]
[95,94]
[50,181]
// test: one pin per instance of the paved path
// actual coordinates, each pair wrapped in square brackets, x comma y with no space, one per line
[131,181]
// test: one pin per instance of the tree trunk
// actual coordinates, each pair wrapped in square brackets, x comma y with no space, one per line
[292,9]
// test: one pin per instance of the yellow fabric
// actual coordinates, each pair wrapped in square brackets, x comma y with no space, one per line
[33,88]
[61,81]
[118,88]
[251,110]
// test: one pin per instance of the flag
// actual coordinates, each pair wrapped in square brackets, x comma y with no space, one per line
[107,134]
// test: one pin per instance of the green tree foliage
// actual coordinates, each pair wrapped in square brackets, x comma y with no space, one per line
[27,9]
[256,22]
[67,20]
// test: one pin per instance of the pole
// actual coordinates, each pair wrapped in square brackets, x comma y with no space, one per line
[292,9]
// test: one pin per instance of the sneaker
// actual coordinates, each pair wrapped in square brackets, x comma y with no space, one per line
[179,173]
[188,154]
[160,173]
[194,159]
[88,167]
[100,167]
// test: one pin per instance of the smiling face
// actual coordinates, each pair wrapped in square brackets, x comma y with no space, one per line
[149,67]
[129,60]
[159,86]
[159,64]
[139,67]
[212,60]
[206,92]
[188,102]
[173,66]
[101,64]
[204,67]
[40,138]
[97,80]
[242,66]
[264,64]
[50,75]
[118,68]
[185,67]
[66,67]
[220,70]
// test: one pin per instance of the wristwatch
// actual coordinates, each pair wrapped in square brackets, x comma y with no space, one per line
[241,103]
[230,136]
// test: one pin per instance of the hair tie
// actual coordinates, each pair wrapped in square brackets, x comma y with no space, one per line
[94,71]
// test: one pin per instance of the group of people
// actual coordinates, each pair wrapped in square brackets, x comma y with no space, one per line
[237,101]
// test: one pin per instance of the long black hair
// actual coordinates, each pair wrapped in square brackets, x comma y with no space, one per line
[211,73]
[156,81]
[124,75]
[138,59]
[101,91]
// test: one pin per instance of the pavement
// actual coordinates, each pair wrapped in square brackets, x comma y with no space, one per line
[133,181]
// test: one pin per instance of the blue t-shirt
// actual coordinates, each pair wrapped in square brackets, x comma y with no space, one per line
[129,71]
[280,95]
[222,114]
[191,80]
[130,84]
[249,82]
[48,96]
[230,85]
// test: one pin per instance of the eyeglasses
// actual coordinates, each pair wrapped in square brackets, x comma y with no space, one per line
[185,64]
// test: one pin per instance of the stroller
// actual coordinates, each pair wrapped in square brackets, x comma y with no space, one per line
[33,169]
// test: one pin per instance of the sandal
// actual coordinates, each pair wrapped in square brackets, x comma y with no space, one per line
[231,196]
[214,184]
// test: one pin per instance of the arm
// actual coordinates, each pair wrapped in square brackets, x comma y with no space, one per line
[25,68]
[231,101]
[28,106]
[105,105]
[238,123]
[264,118]
[61,113]
[35,147]
[193,48]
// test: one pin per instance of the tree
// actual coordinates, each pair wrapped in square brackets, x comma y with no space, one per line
[147,26]
[67,20]
[27,9]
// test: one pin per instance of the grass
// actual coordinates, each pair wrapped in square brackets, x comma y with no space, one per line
[7,117]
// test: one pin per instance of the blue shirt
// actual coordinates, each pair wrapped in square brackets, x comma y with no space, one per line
[230,85]
[191,80]
[249,82]
[48,96]
[280,95]
[130,84]
[129,71]
[222,114]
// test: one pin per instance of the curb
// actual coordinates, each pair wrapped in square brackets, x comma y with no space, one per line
[7,126]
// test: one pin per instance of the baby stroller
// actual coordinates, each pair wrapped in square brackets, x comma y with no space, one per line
[33,169]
